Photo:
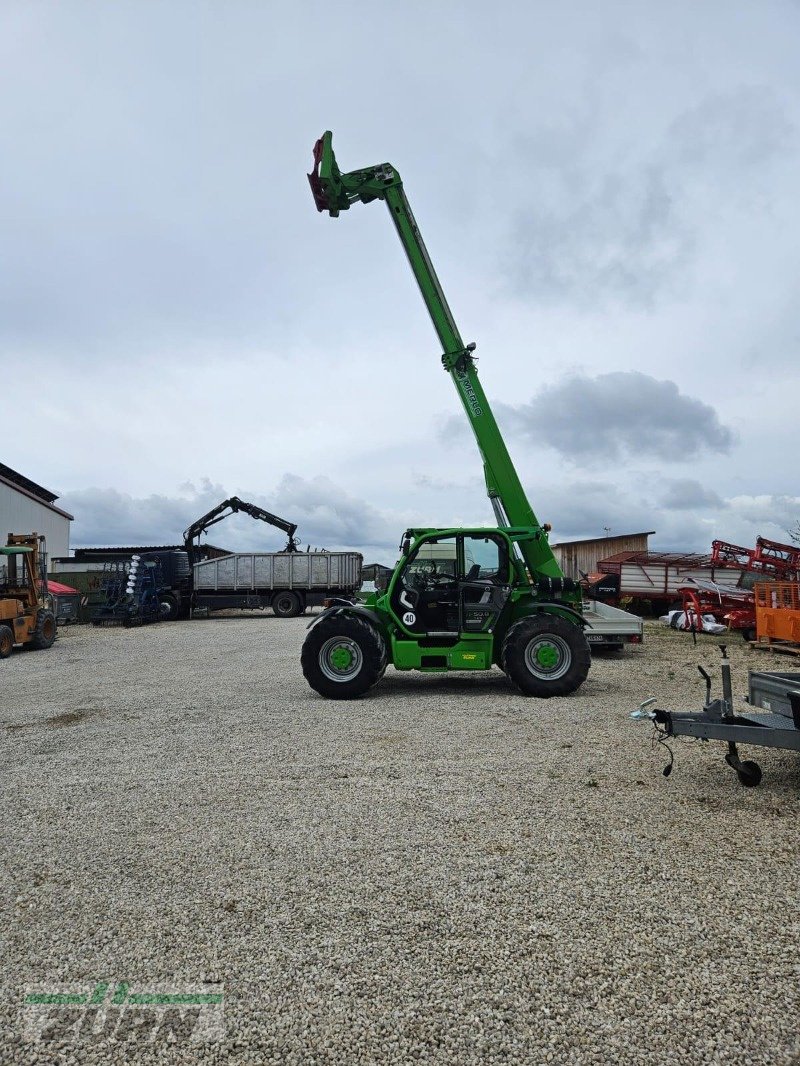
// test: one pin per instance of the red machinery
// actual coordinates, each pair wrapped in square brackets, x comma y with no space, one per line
[737,607]
[769,557]
[734,607]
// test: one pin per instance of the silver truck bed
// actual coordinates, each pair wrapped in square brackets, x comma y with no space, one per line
[611,627]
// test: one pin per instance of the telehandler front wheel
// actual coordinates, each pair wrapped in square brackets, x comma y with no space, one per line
[546,656]
[343,657]
[45,632]
[6,642]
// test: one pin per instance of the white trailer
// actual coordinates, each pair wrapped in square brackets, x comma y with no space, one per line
[657,576]
[610,627]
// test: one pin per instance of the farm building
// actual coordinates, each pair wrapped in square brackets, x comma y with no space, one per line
[26,507]
[582,556]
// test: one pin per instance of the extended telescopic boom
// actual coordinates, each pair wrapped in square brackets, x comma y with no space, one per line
[335,192]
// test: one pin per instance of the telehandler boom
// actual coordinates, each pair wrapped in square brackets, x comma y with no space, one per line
[458,598]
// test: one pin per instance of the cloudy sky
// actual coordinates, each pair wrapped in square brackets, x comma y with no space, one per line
[609,192]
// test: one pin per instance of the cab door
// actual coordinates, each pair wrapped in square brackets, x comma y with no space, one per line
[425,595]
[484,584]
[453,585]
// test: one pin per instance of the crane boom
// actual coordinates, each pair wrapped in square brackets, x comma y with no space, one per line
[230,506]
[334,192]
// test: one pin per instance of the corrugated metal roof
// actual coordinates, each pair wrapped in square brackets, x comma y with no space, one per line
[86,554]
[25,483]
[599,540]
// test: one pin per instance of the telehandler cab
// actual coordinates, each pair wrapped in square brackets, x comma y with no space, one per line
[26,615]
[458,599]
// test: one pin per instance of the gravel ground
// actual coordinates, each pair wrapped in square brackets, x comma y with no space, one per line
[443,872]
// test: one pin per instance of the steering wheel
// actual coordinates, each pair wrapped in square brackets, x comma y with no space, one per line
[438,580]
[417,579]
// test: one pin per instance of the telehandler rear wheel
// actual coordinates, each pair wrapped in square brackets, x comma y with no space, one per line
[343,657]
[546,656]
[45,632]
[6,642]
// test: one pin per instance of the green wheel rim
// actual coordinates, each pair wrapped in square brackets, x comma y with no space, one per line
[340,659]
[548,657]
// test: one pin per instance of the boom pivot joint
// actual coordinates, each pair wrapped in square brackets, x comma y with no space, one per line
[459,360]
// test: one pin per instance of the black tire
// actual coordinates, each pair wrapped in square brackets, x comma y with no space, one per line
[546,656]
[325,662]
[6,641]
[45,632]
[287,604]
[748,635]
[168,608]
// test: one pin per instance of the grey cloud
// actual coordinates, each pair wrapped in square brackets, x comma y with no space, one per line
[107,517]
[326,516]
[326,513]
[616,234]
[731,133]
[600,418]
[775,510]
[623,224]
[685,494]
[581,509]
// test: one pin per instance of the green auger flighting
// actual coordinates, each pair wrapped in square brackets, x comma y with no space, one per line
[458,599]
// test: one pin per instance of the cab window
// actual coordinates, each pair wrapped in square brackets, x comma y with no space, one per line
[485,559]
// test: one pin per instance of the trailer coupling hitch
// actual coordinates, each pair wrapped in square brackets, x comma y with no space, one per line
[663,727]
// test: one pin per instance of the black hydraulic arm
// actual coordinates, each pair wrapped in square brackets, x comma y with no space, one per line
[231,506]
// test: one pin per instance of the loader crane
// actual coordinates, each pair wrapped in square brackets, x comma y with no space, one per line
[459,598]
[191,537]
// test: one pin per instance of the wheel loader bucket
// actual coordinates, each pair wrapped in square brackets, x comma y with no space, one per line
[325,179]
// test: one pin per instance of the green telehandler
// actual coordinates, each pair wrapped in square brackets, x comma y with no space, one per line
[458,599]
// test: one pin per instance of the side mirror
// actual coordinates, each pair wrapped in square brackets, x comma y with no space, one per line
[405,547]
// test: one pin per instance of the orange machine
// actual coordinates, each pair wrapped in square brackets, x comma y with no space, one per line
[778,610]
[26,615]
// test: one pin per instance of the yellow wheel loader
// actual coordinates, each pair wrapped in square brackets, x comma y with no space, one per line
[26,609]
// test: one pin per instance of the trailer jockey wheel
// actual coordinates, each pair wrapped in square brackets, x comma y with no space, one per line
[748,772]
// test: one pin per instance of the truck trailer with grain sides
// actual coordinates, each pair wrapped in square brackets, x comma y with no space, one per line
[288,582]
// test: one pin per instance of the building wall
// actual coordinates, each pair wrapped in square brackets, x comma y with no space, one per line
[583,555]
[21,514]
